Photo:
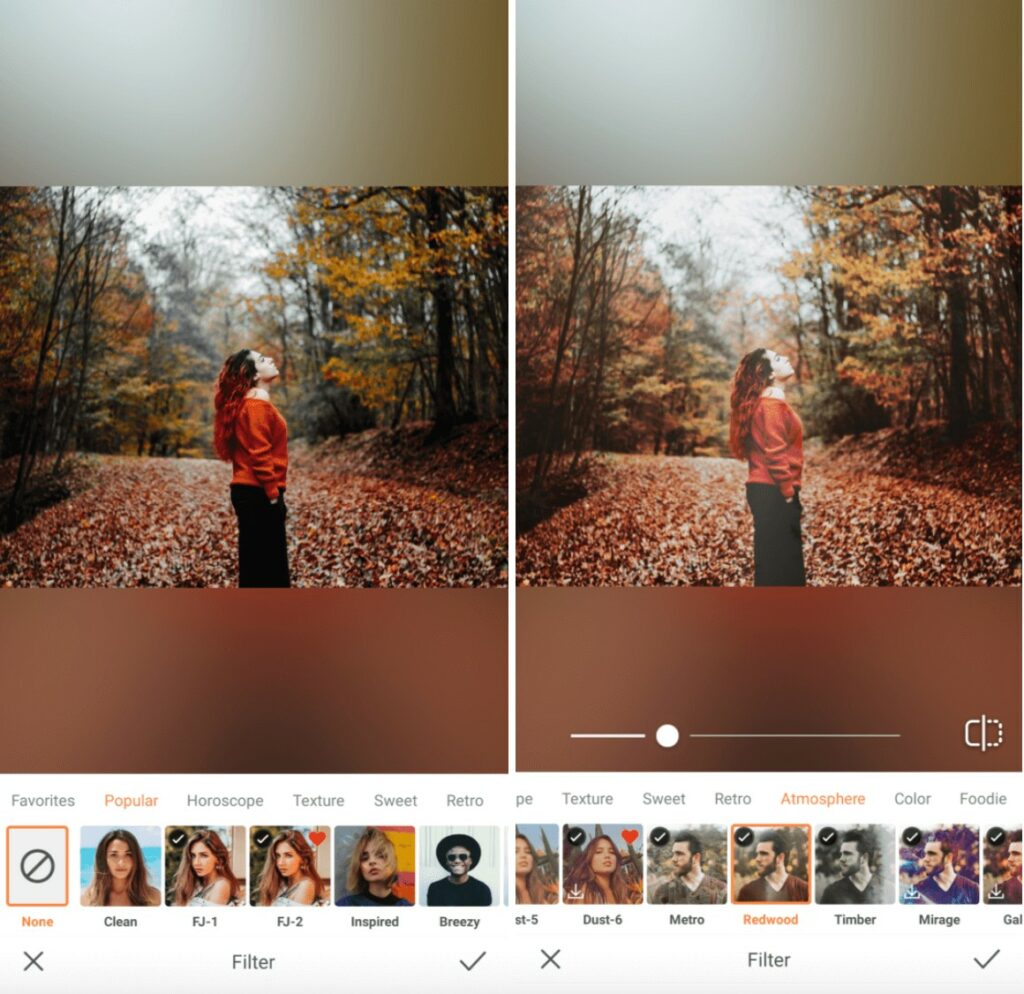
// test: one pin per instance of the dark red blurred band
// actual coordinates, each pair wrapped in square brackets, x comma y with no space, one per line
[914,662]
[254,681]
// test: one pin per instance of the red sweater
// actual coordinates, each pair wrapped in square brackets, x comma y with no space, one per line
[260,456]
[775,452]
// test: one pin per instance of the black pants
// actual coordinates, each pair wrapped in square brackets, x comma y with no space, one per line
[262,543]
[778,545]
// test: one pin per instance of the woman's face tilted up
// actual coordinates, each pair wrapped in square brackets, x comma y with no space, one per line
[782,368]
[266,368]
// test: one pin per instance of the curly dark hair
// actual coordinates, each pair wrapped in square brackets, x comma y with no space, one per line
[753,374]
[236,379]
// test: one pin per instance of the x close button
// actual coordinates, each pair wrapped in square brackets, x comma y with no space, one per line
[33,962]
[551,959]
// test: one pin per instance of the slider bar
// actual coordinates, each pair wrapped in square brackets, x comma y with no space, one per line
[795,735]
[607,735]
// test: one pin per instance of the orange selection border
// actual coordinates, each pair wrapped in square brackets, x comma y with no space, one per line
[732,865]
[67,868]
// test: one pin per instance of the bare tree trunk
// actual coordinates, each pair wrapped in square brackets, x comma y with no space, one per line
[397,417]
[581,259]
[63,263]
[959,409]
[444,399]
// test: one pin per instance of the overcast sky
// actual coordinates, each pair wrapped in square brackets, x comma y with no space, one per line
[219,216]
[747,226]
[752,229]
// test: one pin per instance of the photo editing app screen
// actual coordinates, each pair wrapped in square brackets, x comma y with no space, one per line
[768,491]
[474,473]
[768,474]
[254,437]
[254,527]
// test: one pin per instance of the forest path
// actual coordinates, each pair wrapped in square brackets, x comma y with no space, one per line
[169,523]
[683,520]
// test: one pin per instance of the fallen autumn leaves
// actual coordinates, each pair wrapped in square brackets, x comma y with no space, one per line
[681,520]
[435,518]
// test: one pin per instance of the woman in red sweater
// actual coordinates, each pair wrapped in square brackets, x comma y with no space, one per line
[766,431]
[250,433]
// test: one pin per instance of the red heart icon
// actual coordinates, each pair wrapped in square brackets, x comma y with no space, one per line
[630,835]
[317,837]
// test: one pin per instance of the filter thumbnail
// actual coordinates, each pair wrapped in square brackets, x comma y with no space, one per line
[1002,866]
[120,867]
[375,866]
[687,865]
[290,866]
[939,865]
[771,864]
[853,864]
[463,865]
[536,864]
[603,865]
[205,866]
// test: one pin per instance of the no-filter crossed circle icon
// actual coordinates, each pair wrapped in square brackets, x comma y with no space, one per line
[37,866]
